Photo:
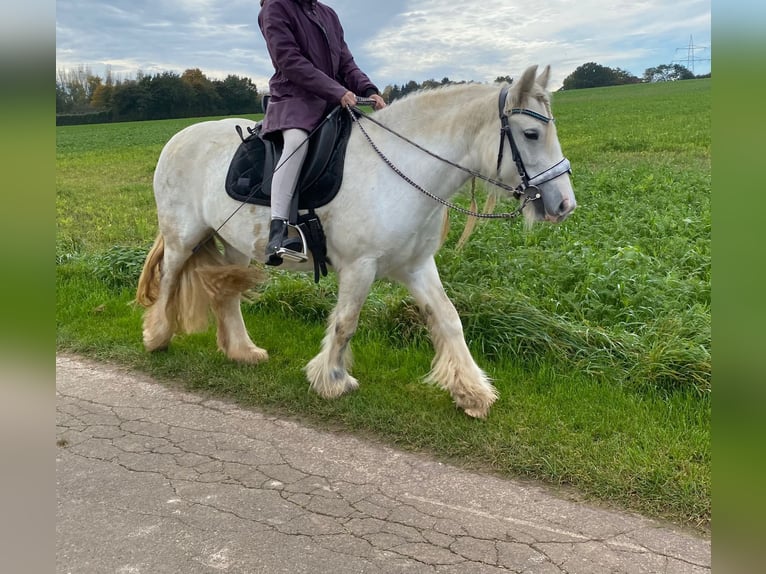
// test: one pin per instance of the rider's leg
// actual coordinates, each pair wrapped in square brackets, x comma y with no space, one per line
[283,187]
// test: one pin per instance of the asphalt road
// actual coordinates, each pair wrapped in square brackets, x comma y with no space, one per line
[150,479]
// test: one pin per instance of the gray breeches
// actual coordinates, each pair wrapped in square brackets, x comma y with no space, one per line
[286,175]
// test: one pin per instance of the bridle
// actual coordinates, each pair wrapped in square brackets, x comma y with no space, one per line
[527,183]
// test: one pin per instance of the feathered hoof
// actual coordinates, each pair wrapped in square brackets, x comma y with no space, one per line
[477,405]
[335,390]
[155,343]
[329,383]
[252,355]
[477,413]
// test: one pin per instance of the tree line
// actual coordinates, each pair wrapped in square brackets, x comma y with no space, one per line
[592,75]
[83,97]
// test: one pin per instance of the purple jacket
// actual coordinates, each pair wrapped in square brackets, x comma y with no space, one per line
[313,64]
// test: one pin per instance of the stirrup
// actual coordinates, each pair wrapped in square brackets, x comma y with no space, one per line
[298,256]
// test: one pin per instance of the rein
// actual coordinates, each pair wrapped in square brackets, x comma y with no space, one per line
[433,196]
[518,192]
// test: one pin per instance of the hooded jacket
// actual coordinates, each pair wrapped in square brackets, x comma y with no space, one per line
[313,65]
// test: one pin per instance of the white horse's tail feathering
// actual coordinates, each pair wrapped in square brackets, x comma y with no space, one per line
[378,226]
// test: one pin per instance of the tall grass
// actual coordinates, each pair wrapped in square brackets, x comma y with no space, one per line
[596,331]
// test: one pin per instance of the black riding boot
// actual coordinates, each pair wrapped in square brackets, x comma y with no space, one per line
[277,234]
[279,242]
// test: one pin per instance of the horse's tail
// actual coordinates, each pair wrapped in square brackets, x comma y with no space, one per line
[149,281]
[187,303]
[206,277]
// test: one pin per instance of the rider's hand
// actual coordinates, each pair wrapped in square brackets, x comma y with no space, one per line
[348,100]
[380,103]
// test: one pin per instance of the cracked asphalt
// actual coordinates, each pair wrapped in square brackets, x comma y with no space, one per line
[151,479]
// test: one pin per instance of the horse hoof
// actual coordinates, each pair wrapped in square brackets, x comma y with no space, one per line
[153,345]
[340,383]
[478,412]
[160,349]
[336,390]
[252,356]
[477,405]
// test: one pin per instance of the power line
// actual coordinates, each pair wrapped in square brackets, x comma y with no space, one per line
[691,55]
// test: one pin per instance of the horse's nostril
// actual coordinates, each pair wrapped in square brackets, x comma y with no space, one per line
[564,207]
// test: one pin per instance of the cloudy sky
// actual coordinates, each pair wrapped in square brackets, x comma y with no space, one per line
[393,41]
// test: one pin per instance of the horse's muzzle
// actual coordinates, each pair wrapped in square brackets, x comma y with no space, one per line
[566,207]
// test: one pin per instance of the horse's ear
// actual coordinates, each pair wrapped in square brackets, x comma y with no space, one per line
[543,78]
[527,81]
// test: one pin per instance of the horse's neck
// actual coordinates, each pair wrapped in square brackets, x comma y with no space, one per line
[458,123]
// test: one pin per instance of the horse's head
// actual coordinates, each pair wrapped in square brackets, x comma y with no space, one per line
[530,136]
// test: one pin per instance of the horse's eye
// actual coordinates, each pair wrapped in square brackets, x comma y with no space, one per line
[531,134]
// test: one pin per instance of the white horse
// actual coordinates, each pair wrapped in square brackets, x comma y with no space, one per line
[378,226]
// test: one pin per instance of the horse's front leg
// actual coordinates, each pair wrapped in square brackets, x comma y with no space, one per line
[453,367]
[328,371]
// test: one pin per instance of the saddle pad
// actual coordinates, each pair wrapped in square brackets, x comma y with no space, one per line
[251,169]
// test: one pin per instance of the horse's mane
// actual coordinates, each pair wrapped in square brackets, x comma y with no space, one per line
[436,98]
[457,92]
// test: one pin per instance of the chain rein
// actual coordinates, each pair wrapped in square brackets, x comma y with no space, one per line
[427,193]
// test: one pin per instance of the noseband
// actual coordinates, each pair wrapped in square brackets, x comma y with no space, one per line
[527,182]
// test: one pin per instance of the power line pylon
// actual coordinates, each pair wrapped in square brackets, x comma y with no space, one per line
[691,55]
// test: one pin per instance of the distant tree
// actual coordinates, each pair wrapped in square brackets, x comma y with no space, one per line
[624,77]
[592,75]
[410,87]
[74,89]
[504,79]
[205,99]
[102,97]
[667,73]
[237,95]
[62,99]
[130,100]
[391,93]
[169,96]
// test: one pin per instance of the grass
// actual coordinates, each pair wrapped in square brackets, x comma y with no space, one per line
[596,332]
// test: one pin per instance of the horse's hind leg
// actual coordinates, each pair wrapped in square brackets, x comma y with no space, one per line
[328,371]
[233,338]
[160,318]
[453,367]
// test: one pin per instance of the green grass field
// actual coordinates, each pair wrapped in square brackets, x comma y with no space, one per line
[596,332]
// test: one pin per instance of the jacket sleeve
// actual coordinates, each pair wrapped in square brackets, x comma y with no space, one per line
[356,80]
[285,51]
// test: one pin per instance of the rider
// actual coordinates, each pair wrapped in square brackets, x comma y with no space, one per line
[314,71]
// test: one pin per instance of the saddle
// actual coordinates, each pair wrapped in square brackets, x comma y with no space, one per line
[252,168]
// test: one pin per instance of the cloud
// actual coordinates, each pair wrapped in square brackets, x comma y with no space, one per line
[432,37]
[393,41]
[155,36]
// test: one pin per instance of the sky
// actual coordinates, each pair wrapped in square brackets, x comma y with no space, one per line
[393,41]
